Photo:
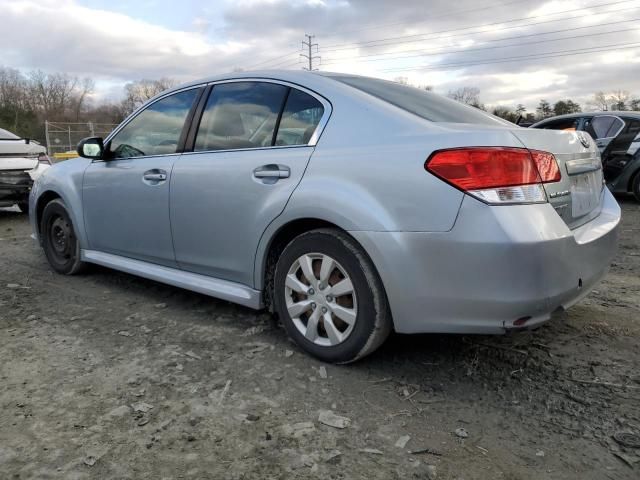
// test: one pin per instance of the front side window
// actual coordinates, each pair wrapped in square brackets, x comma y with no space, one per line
[240,115]
[300,118]
[156,130]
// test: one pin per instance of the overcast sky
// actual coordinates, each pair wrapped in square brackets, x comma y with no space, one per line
[595,43]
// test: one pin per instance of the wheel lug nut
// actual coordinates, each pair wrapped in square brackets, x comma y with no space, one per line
[313,306]
[329,298]
[311,291]
[324,309]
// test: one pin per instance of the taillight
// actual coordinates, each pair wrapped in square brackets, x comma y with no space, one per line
[496,174]
[43,158]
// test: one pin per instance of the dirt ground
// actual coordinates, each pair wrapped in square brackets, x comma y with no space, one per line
[107,375]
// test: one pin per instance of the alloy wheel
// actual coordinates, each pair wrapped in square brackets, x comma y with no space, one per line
[321,299]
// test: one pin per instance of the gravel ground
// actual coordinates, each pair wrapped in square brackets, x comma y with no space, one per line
[106,375]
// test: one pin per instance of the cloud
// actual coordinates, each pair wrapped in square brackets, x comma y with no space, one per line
[422,41]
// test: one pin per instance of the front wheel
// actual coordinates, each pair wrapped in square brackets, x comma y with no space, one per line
[330,298]
[59,239]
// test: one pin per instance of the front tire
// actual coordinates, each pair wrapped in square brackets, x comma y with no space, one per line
[330,298]
[59,240]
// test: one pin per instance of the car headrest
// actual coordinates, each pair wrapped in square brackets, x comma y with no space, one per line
[227,122]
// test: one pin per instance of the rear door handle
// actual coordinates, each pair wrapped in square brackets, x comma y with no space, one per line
[272,172]
[154,176]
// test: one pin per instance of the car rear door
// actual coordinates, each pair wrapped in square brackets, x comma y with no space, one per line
[250,147]
[126,196]
[603,129]
[622,152]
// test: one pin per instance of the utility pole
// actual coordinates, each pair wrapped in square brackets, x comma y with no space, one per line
[310,56]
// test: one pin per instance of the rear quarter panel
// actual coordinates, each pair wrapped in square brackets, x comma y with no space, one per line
[367,171]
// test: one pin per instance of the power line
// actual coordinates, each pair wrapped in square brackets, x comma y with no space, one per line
[345,46]
[269,60]
[504,39]
[559,53]
[447,52]
[287,63]
[431,16]
[310,57]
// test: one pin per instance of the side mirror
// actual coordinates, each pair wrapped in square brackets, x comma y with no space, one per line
[91,147]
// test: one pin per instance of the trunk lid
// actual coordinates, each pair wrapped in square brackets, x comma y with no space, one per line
[577,197]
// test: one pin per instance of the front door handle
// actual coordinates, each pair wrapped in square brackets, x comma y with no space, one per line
[274,172]
[155,176]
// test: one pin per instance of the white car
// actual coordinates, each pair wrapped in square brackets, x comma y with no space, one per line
[21,162]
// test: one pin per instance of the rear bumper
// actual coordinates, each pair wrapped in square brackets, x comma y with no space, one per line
[496,266]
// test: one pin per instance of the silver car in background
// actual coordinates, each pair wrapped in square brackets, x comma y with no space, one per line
[350,206]
[21,162]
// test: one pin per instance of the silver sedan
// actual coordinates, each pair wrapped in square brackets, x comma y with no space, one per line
[349,206]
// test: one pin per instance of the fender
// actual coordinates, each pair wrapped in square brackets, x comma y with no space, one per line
[65,180]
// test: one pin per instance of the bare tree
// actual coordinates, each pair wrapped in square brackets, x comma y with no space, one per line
[618,99]
[600,101]
[468,95]
[51,93]
[136,93]
[544,109]
[85,88]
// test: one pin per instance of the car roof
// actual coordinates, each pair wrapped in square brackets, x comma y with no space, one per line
[304,78]
[623,113]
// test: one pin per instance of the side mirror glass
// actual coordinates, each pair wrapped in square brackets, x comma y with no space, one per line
[91,147]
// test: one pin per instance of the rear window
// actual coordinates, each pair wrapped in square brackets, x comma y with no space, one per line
[428,105]
[5,135]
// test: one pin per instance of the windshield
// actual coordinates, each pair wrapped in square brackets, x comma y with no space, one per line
[5,135]
[428,105]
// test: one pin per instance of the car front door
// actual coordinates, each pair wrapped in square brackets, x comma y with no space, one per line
[126,195]
[250,150]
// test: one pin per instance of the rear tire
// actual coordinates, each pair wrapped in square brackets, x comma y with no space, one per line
[59,240]
[635,186]
[330,298]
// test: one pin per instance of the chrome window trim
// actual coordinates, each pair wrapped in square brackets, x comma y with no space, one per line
[326,114]
[227,150]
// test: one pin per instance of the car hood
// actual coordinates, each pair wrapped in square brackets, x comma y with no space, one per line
[18,155]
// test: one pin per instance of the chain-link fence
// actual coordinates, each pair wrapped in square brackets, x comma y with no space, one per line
[63,137]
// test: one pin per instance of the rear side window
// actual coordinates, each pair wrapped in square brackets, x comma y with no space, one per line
[240,115]
[156,130]
[427,105]
[605,126]
[300,118]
